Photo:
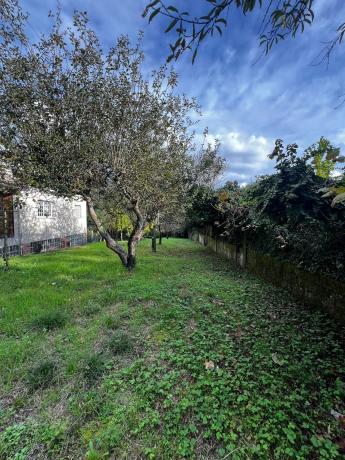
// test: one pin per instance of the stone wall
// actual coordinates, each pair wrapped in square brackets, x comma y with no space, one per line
[311,289]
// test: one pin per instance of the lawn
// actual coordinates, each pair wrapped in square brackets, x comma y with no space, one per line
[187,357]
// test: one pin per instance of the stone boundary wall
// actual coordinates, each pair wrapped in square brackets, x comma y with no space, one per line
[315,290]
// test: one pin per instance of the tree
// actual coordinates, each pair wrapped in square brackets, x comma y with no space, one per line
[279,20]
[83,122]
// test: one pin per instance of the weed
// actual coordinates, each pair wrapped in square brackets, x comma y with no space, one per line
[41,375]
[112,322]
[91,309]
[93,367]
[50,320]
[120,342]
[13,442]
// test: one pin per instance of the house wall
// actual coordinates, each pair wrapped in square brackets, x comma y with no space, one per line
[29,227]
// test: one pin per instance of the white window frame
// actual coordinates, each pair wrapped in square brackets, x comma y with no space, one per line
[44,209]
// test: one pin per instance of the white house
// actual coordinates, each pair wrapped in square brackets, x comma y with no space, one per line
[42,222]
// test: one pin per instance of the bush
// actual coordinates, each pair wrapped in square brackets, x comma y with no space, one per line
[41,375]
[50,320]
[93,367]
[120,342]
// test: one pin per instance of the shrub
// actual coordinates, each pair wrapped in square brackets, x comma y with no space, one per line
[120,342]
[50,320]
[93,367]
[41,375]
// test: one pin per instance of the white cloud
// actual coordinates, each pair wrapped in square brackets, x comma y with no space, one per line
[246,155]
[341,137]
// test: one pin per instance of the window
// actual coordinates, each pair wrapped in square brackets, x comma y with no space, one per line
[77,211]
[45,209]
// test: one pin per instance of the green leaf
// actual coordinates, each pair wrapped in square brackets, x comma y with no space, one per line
[171,25]
[154,13]
[172,8]
[219,30]
[194,55]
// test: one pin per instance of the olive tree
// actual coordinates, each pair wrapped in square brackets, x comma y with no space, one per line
[80,121]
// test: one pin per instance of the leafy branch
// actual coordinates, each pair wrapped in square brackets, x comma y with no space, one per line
[281,19]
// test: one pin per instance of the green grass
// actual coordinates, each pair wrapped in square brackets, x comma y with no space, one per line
[186,357]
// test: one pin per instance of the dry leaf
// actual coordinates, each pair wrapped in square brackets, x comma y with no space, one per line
[276,360]
[209,365]
[218,302]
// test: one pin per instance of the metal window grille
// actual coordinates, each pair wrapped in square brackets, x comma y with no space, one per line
[45,209]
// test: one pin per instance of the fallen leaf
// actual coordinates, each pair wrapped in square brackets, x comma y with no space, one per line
[218,302]
[209,365]
[276,360]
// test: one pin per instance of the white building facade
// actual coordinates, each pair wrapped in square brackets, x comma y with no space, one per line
[39,222]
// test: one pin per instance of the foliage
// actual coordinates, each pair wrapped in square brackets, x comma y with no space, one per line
[227,363]
[203,207]
[286,214]
[279,20]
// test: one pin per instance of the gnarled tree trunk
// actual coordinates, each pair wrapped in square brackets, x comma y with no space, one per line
[128,258]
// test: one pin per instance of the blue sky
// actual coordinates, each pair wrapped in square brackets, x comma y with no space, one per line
[246,102]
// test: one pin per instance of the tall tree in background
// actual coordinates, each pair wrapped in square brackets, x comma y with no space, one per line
[79,121]
[280,19]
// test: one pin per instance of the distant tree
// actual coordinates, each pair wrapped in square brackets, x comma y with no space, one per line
[80,121]
[280,19]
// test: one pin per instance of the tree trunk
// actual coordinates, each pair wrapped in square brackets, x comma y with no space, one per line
[5,254]
[160,234]
[154,240]
[135,236]
[110,242]
[128,258]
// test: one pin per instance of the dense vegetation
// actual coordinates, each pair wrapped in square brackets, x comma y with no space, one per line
[296,214]
[184,358]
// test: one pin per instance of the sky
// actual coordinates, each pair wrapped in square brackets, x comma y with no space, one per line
[248,100]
